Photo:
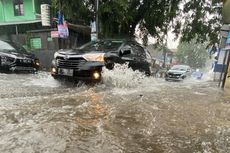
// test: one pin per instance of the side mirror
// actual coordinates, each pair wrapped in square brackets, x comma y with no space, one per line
[125,51]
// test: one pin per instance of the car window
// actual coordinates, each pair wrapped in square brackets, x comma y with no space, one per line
[138,50]
[11,46]
[6,46]
[148,56]
[108,45]
[180,67]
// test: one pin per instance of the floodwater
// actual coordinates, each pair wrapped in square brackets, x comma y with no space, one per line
[127,113]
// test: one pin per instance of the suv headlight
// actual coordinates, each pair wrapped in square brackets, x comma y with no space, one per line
[56,54]
[37,62]
[7,60]
[99,57]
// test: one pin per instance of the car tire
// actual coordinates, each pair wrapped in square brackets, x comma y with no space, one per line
[109,65]
[150,71]
[54,77]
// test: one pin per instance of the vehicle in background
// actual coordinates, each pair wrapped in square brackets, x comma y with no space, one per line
[197,74]
[15,58]
[86,62]
[178,73]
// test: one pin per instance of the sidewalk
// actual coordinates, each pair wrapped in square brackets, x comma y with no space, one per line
[227,90]
[227,83]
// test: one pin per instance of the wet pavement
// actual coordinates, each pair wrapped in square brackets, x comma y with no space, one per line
[127,113]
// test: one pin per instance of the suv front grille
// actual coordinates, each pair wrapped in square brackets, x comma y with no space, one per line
[72,63]
[172,75]
[24,63]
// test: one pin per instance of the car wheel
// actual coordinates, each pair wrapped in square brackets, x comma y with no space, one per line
[55,77]
[150,72]
[109,65]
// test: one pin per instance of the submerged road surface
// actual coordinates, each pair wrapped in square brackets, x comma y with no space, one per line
[128,113]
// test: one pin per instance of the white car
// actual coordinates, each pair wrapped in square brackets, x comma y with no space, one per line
[178,72]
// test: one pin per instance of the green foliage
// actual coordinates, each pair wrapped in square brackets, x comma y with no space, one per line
[154,17]
[202,19]
[112,17]
[192,53]
[75,11]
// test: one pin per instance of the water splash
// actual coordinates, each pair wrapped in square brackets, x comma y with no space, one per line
[42,79]
[123,77]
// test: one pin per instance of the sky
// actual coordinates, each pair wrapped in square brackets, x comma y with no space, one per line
[171,43]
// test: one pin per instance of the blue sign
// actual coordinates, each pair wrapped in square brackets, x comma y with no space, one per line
[228,41]
[63,31]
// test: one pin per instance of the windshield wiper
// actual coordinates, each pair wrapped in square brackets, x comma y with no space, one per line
[7,50]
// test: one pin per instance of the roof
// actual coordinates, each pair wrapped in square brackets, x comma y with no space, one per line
[42,30]
[75,27]
[19,22]
[80,28]
[173,50]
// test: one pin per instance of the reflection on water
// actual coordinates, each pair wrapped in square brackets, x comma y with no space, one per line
[127,113]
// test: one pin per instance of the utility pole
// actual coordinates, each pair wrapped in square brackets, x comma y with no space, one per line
[97,19]
[60,6]
[61,41]
[166,40]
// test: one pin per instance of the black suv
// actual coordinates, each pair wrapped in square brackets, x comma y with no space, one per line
[15,58]
[86,62]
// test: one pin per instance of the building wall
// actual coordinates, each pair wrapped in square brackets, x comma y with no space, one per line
[7,9]
[226,11]
[1,12]
[227,81]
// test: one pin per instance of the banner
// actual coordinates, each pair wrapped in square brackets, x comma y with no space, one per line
[93,31]
[63,30]
[54,34]
[227,46]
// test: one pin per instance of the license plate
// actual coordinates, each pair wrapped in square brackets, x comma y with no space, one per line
[67,72]
[26,61]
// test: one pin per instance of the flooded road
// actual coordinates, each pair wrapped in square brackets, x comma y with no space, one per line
[127,113]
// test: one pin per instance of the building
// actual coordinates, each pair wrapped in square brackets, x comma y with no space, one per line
[158,55]
[18,15]
[16,12]
[20,21]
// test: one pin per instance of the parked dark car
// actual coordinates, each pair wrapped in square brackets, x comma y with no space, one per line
[15,58]
[86,62]
[178,73]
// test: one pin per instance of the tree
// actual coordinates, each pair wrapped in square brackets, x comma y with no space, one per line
[192,53]
[75,11]
[202,20]
[121,17]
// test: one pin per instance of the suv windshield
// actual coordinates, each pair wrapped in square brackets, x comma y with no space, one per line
[8,46]
[105,45]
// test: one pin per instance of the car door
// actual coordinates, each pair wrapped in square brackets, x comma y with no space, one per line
[134,55]
[143,59]
[188,72]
